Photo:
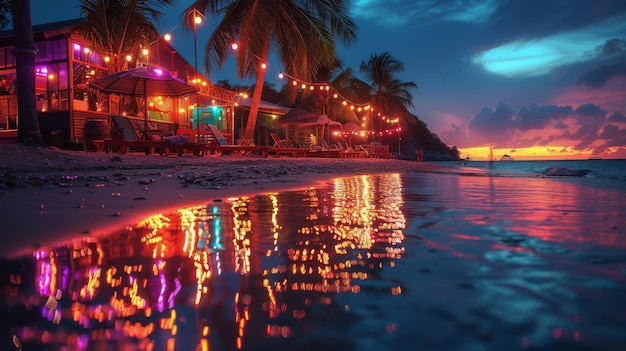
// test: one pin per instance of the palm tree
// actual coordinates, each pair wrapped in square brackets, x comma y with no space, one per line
[301,31]
[344,83]
[28,122]
[350,88]
[388,95]
[120,27]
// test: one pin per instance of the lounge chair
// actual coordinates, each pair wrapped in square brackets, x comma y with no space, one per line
[280,143]
[284,147]
[127,137]
[213,142]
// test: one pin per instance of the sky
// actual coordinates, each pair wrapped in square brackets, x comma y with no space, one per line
[534,79]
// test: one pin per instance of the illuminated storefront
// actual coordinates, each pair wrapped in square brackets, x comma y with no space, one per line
[65,65]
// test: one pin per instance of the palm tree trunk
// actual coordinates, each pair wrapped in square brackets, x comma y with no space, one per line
[28,123]
[256,95]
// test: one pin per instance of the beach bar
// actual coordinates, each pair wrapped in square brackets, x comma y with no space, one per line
[71,114]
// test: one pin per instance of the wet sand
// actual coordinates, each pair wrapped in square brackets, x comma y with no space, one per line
[51,196]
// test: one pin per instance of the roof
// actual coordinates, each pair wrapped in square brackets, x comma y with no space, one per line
[48,30]
[265,107]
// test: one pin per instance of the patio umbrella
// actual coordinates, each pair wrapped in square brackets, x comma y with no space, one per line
[143,81]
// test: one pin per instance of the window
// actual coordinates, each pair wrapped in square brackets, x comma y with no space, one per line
[6,57]
[86,98]
[84,54]
[87,67]
[51,87]
[51,50]
[8,101]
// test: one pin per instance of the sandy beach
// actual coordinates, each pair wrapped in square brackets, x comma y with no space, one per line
[50,195]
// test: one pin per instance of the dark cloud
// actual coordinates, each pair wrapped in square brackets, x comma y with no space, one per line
[610,131]
[591,118]
[493,125]
[401,12]
[613,136]
[500,126]
[590,111]
[612,63]
[617,117]
[539,18]
[597,76]
[560,125]
[613,47]
[456,133]
[538,117]
[586,135]
[532,141]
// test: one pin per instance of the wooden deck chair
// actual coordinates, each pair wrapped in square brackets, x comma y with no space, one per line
[280,143]
[218,145]
[283,147]
[217,135]
[127,137]
[125,129]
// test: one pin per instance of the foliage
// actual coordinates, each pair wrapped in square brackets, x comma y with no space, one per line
[5,10]
[388,95]
[419,137]
[301,32]
[121,27]
[321,101]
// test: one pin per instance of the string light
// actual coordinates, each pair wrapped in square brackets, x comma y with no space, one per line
[323,86]
[282,75]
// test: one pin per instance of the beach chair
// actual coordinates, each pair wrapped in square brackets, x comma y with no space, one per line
[280,143]
[126,137]
[213,142]
[284,147]
[356,151]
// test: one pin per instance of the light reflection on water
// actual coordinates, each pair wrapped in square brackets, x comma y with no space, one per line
[379,262]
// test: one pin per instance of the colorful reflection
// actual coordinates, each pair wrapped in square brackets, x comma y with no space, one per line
[229,275]
[366,262]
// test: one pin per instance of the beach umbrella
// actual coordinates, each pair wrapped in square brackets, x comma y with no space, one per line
[142,82]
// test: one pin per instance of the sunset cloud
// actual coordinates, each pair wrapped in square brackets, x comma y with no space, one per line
[585,128]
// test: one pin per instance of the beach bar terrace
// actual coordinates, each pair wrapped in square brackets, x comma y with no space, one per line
[68,108]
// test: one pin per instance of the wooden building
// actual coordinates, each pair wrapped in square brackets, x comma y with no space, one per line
[65,65]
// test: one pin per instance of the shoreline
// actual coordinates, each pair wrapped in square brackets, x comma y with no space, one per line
[51,195]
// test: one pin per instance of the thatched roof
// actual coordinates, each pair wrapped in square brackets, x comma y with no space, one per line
[298,116]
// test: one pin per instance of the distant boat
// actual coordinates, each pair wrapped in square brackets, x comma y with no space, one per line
[506,158]
[592,158]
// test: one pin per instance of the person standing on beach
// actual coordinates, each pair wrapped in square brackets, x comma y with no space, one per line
[420,155]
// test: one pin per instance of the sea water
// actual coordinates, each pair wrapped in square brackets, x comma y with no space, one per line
[483,257]
[601,169]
